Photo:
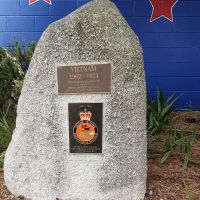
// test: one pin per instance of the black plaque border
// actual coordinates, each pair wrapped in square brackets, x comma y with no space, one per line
[102,128]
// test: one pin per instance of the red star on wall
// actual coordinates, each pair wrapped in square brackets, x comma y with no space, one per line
[162,8]
[33,1]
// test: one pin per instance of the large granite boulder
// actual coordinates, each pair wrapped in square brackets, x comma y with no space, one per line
[38,164]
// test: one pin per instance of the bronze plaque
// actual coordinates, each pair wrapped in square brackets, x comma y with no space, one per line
[87,78]
[85,127]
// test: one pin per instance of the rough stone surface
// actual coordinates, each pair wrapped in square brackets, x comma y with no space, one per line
[38,164]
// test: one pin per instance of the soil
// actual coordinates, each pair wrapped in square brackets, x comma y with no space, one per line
[166,181]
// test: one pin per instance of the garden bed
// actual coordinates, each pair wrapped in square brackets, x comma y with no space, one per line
[168,181]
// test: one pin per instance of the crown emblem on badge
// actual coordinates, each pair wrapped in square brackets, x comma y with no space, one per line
[85,115]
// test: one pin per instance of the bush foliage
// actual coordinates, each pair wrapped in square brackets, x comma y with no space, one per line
[13,66]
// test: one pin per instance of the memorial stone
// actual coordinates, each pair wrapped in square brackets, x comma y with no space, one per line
[81,119]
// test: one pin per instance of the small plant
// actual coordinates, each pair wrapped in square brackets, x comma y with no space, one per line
[179,142]
[171,144]
[189,141]
[158,112]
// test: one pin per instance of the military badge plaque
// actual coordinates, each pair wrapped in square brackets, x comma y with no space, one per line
[84,78]
[85,127]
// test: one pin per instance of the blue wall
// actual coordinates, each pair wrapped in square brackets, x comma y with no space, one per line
[171,50]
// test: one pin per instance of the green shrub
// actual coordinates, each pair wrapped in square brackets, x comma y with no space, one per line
[11,78]
[13,65]
[24,56]
[12,71]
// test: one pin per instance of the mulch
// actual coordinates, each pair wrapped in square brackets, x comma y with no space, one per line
[166,181]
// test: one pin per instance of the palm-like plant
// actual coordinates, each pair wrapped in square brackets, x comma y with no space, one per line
[158,112]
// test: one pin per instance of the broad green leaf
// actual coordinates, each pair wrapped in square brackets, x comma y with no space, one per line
[170,98]
[167,108]
[158,101]
[186,159]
